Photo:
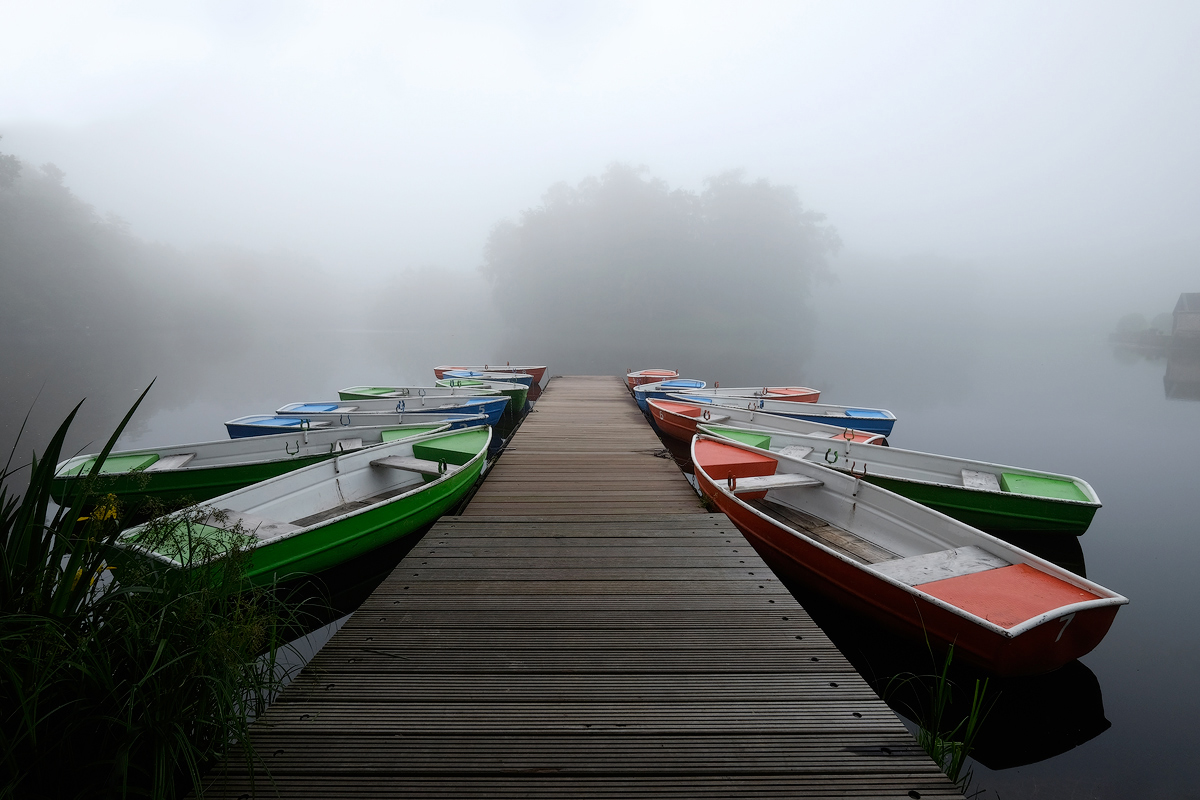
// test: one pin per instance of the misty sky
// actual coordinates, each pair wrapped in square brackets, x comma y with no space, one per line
[382,135]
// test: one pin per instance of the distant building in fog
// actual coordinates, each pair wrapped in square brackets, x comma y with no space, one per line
[1186,320]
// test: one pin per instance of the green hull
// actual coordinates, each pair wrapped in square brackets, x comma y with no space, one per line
[329,546]
[995,512]
[172,488]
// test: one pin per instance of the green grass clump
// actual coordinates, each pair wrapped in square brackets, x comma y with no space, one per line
[948,743]
[120,677]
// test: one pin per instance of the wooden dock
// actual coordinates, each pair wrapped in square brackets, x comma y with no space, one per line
[541,645]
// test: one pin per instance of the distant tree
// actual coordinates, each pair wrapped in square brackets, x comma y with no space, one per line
[621,271]
[10,168]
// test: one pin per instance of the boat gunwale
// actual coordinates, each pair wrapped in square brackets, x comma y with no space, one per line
[802,412]
[1038,563]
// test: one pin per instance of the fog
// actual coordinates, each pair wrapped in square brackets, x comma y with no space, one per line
[258,201]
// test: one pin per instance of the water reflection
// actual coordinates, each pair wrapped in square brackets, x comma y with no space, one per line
[1182,378]
[1029,719]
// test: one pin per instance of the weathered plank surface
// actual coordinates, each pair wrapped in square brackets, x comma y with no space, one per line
[584,449]
[580,654]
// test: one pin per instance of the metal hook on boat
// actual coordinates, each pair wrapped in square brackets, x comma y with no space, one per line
[731,481]
[848,434]
[862,474]
[750,406]
[829,460]
[400,407]
[707,414]
[717,385]
[442,467]
[421,392]
[345,424]
[289,452]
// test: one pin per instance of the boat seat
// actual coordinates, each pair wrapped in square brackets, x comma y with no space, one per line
[171,462]
[952,563]
[346,445]
[973,479]
[411,464]
[259,527]
[765,482]
[795,451]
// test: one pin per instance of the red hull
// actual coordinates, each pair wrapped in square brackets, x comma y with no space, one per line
[795,394]
[1040,649]
[633,379]
[677,420]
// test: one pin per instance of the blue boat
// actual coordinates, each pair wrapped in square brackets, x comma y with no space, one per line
[266,424]
[870,420]
[662,389]
[492,406]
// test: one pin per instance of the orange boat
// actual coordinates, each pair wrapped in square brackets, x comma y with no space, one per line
[678,420]
[633,379]
[928,575]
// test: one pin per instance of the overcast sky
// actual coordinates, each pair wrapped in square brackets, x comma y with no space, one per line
[374,135]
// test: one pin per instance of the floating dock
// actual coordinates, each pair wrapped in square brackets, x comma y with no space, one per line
[586,630]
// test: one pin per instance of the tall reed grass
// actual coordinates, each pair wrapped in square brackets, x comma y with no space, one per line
[118,677]
[947,741]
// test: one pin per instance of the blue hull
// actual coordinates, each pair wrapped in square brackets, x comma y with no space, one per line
[883,426]
[492,408]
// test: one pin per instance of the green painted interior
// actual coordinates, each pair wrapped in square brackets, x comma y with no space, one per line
[115,464]
[1041,487]
[453,448]
[746,437]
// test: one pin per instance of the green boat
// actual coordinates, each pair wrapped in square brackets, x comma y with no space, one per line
[322,516]
[994,498]
[516,393]
[192,473]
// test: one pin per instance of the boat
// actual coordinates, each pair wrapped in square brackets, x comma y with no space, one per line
[266,424]
[992,497]
[405,392]
[661,389]
[321,516]
[679,421]
[517,394]
[638,377]
[919,571]
[521,378]
[491,406]
[537,373]
[198,471]
[872,420]
[791,394]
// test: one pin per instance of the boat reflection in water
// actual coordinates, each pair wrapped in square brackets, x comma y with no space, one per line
[1028,719]
[1182,378]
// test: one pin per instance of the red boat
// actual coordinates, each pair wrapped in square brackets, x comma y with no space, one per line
[633,379]
[678,420]
[919,571]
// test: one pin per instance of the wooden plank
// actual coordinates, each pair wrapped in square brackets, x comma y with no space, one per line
[583,630]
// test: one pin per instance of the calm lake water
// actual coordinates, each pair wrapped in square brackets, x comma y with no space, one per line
[1064,402]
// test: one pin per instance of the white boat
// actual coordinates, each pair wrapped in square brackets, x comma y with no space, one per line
[200,470]
[993,497]
[871,420]
[924,573]
[321,516]
[678,419]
